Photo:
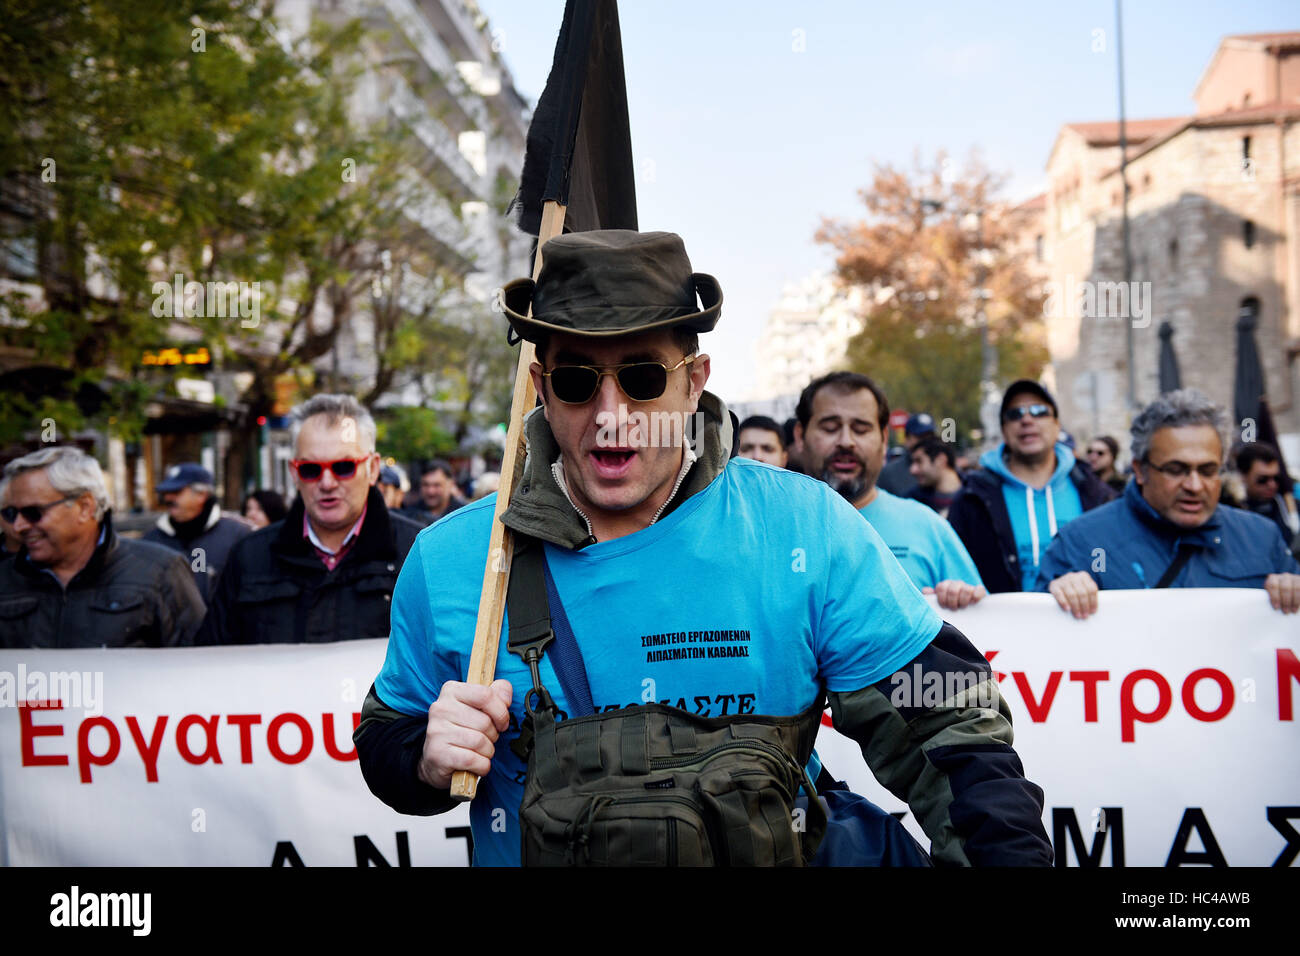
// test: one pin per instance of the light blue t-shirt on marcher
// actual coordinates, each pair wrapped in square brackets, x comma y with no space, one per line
[744,599]
[924,543]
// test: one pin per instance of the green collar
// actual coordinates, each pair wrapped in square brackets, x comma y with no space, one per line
[540,507]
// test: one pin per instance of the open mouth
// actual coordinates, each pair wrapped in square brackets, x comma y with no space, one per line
[612,462]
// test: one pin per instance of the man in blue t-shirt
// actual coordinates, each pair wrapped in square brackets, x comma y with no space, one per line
[719,587]
[842,428]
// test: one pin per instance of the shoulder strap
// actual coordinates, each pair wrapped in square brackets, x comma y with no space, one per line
[534,606]
[1185,552]
[566,657]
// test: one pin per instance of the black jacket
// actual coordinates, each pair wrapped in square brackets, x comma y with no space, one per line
[275,590]
[129,594]
[979,516]
[218,538]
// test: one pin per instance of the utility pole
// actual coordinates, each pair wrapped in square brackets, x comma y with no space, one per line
[989,398]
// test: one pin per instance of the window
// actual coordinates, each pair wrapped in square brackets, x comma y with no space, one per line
[1173,253]
[1245,147]
[1038,248]
[1247,233]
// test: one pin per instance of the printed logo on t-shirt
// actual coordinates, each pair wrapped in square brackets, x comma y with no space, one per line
[695,645]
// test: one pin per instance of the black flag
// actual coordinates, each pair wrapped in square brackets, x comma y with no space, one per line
[579,143]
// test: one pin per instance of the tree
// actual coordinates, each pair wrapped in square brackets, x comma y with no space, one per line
[930,242]
[166,137]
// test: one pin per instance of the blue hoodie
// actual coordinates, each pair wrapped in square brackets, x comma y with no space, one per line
[1036,513]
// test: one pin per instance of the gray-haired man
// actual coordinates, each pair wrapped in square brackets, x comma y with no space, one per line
[326,572]
[1167,530]
[75,583]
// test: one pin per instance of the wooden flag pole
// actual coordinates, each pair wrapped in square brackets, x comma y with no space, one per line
[496,573]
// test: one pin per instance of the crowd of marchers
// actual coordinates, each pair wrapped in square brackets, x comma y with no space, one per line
[1030,514]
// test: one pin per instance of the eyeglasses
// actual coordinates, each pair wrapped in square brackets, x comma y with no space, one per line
[1180,469]
[32,513]
[314,470]
[1266,480]
[640,381]
[1020,411]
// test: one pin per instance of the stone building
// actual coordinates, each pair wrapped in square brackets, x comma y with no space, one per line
[1214,209]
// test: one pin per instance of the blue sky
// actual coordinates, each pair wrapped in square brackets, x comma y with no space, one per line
[743,143]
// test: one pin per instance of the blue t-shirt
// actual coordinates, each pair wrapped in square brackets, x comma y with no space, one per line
[743,599]
[924,543]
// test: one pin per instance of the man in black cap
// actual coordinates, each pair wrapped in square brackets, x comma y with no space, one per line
[194,524]
[712,584]
[1029,487]
[390,486]
[897,477]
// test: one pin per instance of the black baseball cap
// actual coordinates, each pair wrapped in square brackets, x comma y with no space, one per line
[1026,386]
[182,476]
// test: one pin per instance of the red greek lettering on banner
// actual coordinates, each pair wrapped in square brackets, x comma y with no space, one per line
[209,725]
[327,737]
[245,724]
[1129,715]
[1090,680]
[273,738]
[87,758]
[1037,711]
[1225,689]
[1288,670]
[28,731]
[148,752]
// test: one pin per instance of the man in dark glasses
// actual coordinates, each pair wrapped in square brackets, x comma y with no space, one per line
[1268,491]
[1168,529]
[713,584]
[75,583]
[326,572]
[1029,487]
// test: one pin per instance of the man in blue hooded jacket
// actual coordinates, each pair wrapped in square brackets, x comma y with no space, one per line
[1169,530]
[1029,488]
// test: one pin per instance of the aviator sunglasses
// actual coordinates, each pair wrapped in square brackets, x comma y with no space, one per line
[1020,411]
[314,470]
[640,381]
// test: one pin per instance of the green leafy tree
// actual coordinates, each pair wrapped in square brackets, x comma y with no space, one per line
[143,140]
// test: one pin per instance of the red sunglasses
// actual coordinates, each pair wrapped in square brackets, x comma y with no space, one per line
[314,470]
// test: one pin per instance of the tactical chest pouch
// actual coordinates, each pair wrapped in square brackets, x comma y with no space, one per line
[650,785]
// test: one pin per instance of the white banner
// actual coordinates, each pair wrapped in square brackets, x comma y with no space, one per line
[1162,730]
[200,756]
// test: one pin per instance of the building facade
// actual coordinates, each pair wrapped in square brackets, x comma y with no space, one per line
[1213,212]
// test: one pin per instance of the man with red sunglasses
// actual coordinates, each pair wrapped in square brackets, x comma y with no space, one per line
[326,572]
